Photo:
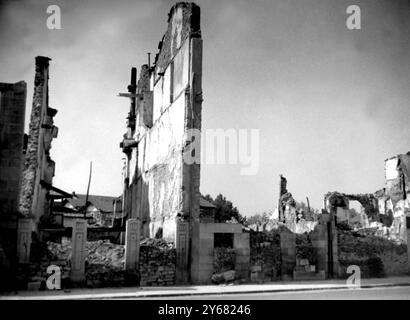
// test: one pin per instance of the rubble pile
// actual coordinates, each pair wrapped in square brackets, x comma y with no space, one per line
[376,256]
[224,277]
[224,259]
[43,255]
[103,252]
[157,262]
[104,263]
[265,252]
[104,266]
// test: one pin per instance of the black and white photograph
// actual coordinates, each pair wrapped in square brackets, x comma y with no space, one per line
[204,154]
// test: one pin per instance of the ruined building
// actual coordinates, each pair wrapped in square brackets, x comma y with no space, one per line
[12,116]
[161,190]
[26,170]
[26,178]
[385,209]
[38,168]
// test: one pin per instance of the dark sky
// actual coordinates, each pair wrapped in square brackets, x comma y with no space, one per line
[330,103]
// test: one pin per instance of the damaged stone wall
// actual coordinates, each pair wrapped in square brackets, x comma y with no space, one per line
[289,214]
[157,263]
[160,186]
[394,198]
[38,166]
[12,118]
[379,243]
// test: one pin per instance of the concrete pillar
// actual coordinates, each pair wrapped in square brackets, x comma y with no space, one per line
[78,241]
[288,254]
[182,248]
[242,254]
[132,244]
[24,230]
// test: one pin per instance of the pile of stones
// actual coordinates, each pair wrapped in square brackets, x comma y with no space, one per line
[157,262]
[104,264]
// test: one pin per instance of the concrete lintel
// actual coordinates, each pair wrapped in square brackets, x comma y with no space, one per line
[220,228]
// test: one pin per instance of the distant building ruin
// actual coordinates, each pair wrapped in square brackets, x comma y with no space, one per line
[385,209]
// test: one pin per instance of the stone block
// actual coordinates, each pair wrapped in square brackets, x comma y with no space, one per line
[24,231]
[221,228]
[241,241]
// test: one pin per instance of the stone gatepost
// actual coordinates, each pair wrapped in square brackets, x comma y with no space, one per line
[242,254]
[288,254]
[132,244]
[324,242]
[78,252]
[182,252]
[24,230]
[407,241]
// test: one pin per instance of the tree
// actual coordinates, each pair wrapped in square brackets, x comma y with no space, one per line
[224,209]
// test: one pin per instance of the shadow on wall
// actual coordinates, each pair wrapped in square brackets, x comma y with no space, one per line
[138,204]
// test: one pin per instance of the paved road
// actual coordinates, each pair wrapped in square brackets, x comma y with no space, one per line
[387,293]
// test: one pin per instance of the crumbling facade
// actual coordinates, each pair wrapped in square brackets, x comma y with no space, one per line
[38,169]
[160,189]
